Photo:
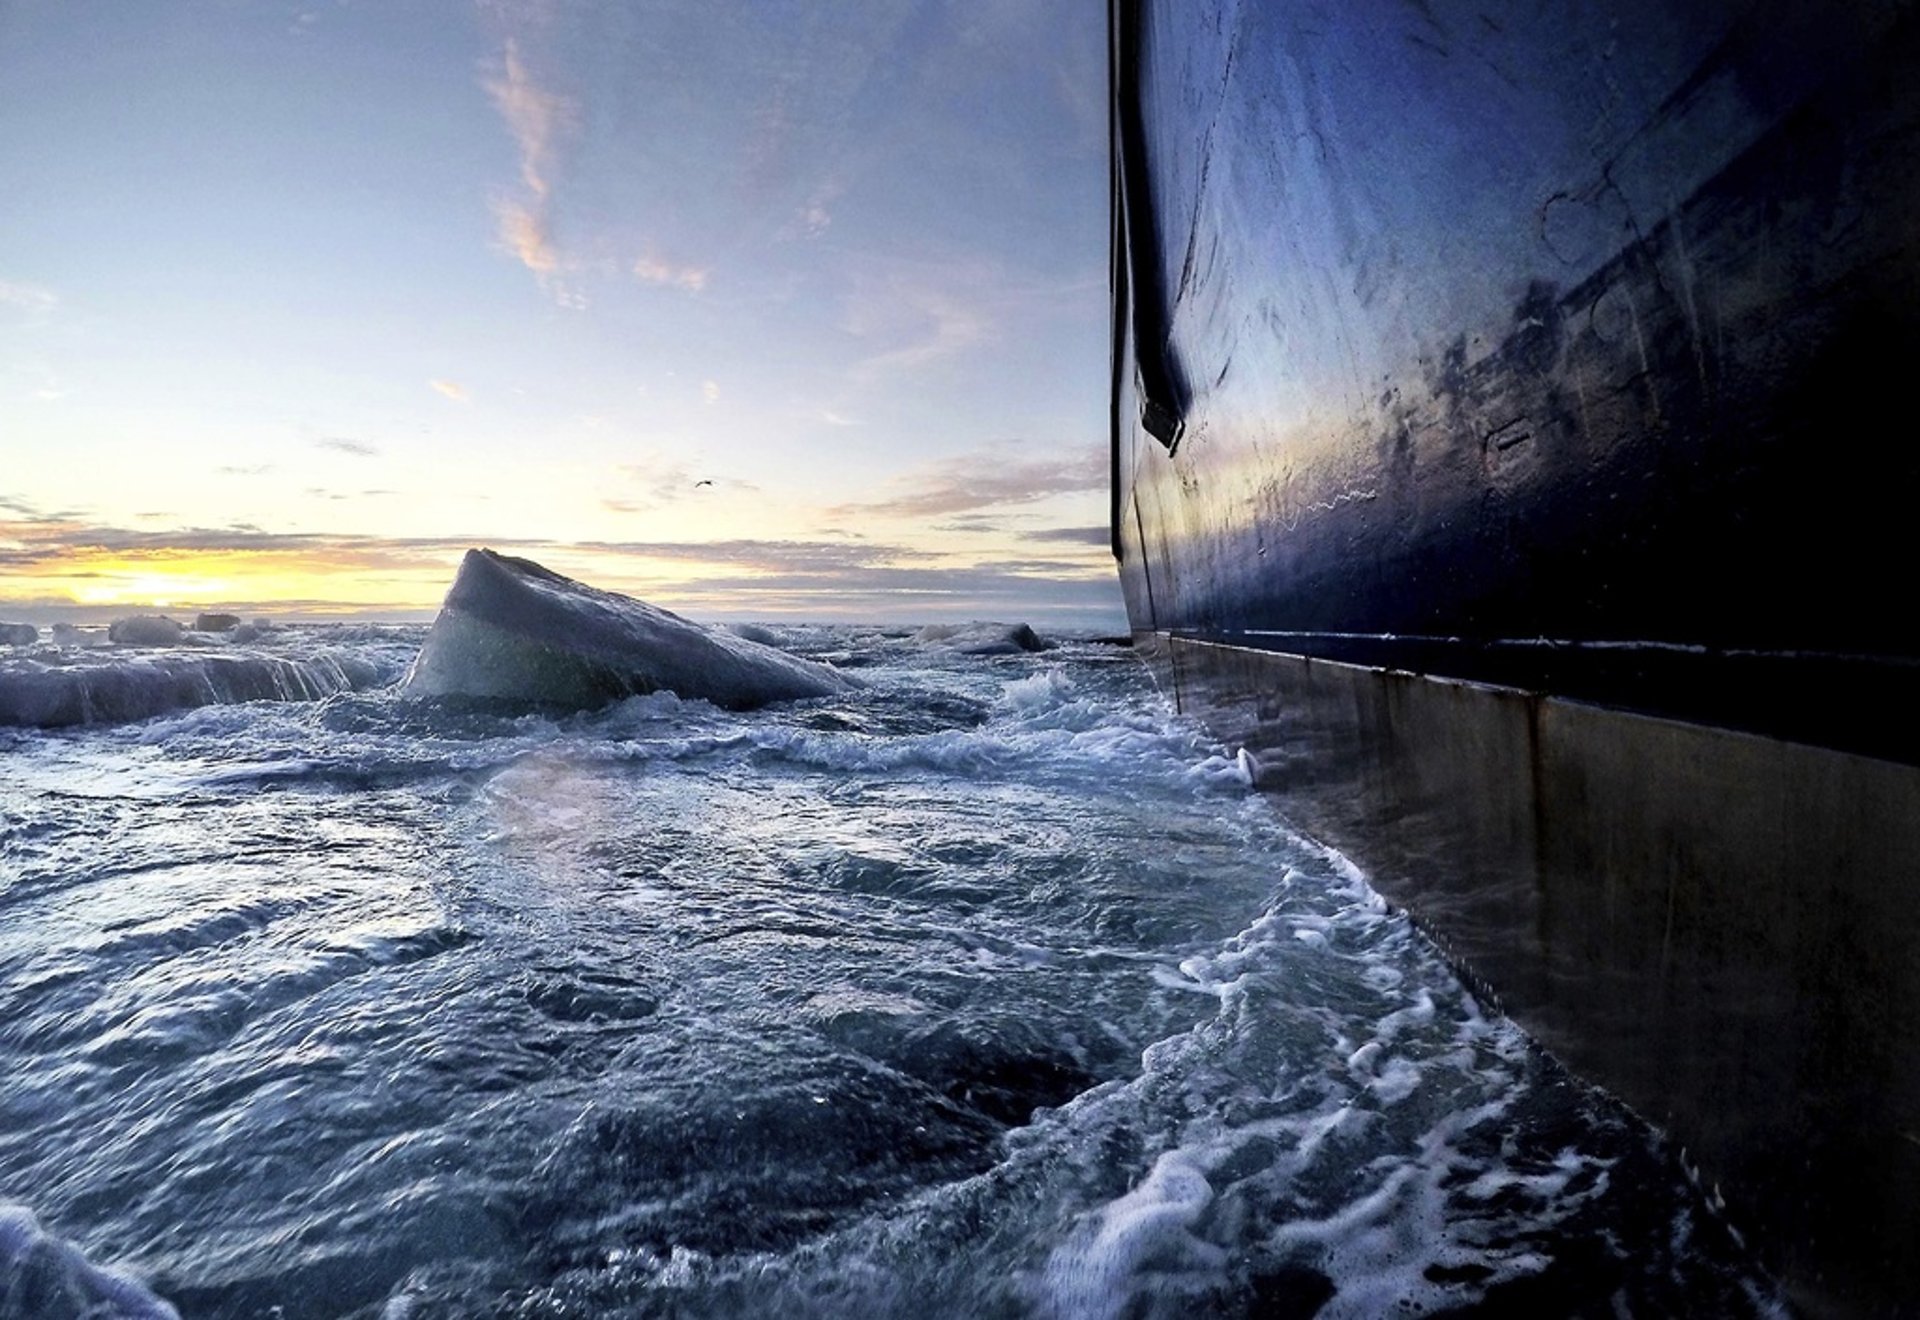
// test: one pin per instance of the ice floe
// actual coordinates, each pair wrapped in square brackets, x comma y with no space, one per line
[511,629]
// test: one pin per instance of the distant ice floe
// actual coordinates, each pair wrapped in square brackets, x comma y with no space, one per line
[159,630]
[43,1277]
[18,634]
[147,630]
[66,634]
[513,630]
[56,689]
[982,637]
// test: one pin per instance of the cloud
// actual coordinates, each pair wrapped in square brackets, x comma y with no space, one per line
[381,575]
[359,448]
[905,595]
[523,232]
[29,297]
[33,377]
[797,557]
[33,540]
[1031,567]
[923,319]
[327,493]
[710,391]
[452,389]
[44,541]
[1100,536]
[832,418]
[535,117]
[985,479]
[817,214]
[248,470]
[652,269]
[911,314]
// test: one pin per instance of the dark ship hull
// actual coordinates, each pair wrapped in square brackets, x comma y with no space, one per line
[1509,423]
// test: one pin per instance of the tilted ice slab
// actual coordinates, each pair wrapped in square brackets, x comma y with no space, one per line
[514,630]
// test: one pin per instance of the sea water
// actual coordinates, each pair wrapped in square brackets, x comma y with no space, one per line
[988,989]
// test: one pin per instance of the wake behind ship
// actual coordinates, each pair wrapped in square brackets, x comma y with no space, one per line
[1509,452]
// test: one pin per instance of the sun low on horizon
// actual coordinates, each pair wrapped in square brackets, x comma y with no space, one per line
[755,312]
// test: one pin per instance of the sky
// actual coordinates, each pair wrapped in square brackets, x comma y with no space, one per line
[756,309]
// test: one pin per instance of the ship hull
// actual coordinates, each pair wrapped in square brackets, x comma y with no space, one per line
[1502,450]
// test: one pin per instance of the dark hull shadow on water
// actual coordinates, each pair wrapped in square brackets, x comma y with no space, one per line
[984,989]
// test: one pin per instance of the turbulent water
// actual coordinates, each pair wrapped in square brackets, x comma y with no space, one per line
[988,989]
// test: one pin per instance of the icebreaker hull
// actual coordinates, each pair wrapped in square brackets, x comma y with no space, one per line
[1500,445]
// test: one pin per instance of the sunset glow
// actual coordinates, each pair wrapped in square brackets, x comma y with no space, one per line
[796,315]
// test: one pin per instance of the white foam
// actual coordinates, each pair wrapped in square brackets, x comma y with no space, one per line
[1047,690]
[1416,1014]
[1042,723]
[1091,1276]
[1396,1080]
[1281,1177]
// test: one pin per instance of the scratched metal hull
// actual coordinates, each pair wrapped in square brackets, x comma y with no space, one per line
[1560,345]
[1564,349]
